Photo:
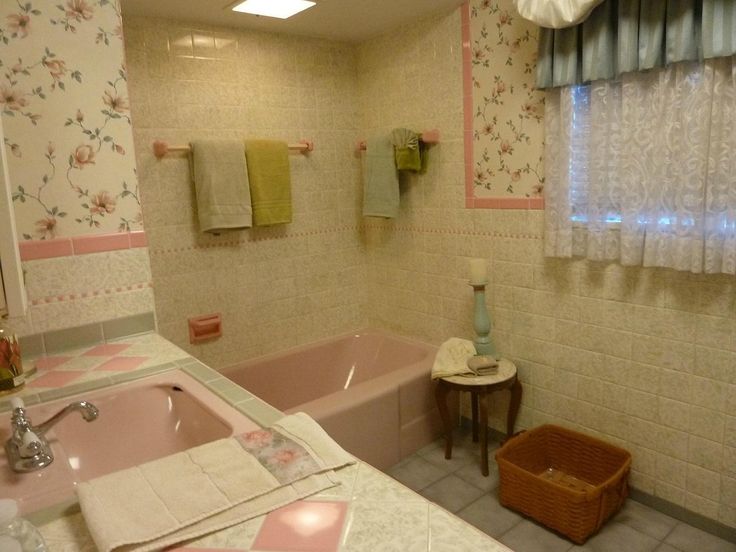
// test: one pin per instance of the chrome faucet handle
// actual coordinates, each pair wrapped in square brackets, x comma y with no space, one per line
[27,450]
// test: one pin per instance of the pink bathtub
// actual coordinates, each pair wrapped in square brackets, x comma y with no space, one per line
[371,391]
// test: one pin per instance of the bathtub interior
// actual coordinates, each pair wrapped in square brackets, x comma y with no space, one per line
[371,392]
[305,374]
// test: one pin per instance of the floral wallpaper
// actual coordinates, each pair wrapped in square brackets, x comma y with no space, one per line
[508,130]
[66,117]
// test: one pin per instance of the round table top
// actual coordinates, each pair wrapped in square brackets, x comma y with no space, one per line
[506,371]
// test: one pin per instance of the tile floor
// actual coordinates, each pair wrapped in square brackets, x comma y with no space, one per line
[458,486]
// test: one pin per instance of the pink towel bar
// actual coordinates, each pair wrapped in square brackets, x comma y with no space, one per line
[428,137]
[161,148]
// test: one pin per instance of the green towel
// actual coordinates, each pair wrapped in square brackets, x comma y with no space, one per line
[221,184]
[380,180]
[406,150]
[270,181]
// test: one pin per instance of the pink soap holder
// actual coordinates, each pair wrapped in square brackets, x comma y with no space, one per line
[207,326]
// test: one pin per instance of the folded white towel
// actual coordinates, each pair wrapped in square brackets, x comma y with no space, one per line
[210,487]
[452,358]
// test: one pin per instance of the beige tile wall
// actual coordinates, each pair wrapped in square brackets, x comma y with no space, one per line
[65,292]
[275,287]
[644,358]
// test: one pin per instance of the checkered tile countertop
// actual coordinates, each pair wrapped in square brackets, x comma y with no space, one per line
[90,363]
[366,511]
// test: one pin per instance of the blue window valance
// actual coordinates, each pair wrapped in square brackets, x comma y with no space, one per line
[621,36]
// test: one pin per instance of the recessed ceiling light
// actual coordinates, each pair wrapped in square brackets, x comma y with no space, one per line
[273,8]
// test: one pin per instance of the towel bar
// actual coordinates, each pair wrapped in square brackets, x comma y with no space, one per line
[428,137]
[161,148]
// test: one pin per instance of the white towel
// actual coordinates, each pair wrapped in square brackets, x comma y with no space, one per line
[452,358]
[210,487]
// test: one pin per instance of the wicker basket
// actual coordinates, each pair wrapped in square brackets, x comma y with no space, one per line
[568,481]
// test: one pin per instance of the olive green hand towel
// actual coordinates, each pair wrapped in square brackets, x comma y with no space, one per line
[270,181]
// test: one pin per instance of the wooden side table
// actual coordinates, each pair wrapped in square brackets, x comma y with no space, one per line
[479,388]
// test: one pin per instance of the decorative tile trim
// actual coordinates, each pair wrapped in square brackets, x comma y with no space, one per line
[502,202]
[33,250]
[449,231]
[359,227]
[91,293]
[89,334]
[467,103]
[45,249]
[255,238]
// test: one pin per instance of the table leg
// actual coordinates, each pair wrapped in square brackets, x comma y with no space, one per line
[474,407]
[483,400]
[441,392]
[514,404]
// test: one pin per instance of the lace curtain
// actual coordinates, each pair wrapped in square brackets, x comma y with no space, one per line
[643,170]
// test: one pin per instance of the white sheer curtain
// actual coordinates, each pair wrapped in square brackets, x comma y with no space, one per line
[643,170]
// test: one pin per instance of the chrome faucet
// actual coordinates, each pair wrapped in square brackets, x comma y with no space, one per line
[27,449]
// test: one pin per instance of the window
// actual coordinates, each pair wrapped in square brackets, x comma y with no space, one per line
[641,170]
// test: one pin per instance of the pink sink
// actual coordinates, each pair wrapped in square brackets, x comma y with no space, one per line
[138,422]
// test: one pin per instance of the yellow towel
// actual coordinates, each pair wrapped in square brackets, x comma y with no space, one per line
[221,183]
[270,181]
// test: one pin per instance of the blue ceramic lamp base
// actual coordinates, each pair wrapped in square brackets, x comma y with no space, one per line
[482,322]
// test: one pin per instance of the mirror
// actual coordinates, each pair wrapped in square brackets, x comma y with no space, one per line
[13,300]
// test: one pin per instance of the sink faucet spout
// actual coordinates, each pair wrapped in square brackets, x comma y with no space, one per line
[88,411]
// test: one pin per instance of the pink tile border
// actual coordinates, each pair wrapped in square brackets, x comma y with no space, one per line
[45,249]
[51,362]
[472,202]
[303,526]
[138,239]
[56,378]
[32,250]
[107,349]
[506,203]
[122,364]
[97,244]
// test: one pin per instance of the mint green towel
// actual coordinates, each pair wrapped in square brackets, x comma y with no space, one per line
[380,179]
[270,181]
[221,184]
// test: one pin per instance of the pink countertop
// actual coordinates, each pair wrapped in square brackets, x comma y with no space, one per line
[367,510]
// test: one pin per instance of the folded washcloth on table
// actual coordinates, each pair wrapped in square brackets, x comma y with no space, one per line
[210,487]
[452,358]
[457,357]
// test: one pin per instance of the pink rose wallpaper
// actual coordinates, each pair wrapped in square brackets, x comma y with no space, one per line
[508,130]
[66,118]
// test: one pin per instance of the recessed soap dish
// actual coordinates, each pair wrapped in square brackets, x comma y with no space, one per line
[207,326]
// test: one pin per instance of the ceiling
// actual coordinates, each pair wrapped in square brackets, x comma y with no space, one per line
[344,20]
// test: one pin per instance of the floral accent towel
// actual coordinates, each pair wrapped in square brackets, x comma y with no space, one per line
[284,458]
